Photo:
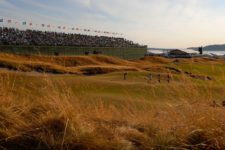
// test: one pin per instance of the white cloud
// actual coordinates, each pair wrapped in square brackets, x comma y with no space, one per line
[159,23]
[86,3]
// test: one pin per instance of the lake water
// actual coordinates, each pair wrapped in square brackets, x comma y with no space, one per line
[219,53]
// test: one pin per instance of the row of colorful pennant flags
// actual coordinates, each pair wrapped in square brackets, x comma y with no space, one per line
[25,23]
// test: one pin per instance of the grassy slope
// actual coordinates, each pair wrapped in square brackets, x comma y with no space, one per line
[61,65]
[106,112]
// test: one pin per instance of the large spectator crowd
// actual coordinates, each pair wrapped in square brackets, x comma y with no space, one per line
[12,36]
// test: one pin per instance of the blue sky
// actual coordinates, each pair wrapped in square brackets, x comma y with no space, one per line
[157,23]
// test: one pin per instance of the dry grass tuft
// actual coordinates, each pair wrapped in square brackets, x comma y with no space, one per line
[60,121]
[55,118]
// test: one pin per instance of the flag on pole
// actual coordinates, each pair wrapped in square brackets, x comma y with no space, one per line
[1,20]
[24,23]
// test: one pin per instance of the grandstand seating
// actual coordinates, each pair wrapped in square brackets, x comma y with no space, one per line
[12,36]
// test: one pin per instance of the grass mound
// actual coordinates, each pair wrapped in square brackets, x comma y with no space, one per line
[68,61]
[32,66]
[61,65]
[93,70]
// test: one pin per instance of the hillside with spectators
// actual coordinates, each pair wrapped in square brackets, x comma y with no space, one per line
[12,36]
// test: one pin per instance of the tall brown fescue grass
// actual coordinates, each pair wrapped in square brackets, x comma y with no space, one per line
[57,119]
